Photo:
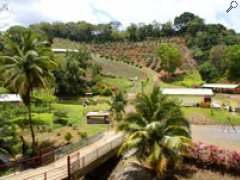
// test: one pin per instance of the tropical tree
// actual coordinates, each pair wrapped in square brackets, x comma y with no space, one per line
[26,65]
[170,57]
[157,133]
[118,104]
[71,78]
[231,62]
[9,139]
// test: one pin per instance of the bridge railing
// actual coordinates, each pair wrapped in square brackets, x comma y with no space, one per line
[46,157]
[77,161]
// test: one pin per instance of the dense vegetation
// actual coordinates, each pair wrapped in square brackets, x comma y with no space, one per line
[208,42]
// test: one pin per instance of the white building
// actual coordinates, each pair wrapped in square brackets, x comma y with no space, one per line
[13,98]
[190,96]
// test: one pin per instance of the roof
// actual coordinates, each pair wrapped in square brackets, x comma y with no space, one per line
[10,98]
[187,91]
[56,50]
[98,114]
[223,86]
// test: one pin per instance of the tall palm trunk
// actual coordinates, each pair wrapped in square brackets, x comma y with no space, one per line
[27,102]
[31,128]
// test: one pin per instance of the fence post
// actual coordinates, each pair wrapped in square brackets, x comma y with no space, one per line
[45,176]
[78,159]
[83,161]
[69,167]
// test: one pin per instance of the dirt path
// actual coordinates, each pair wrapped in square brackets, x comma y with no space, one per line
[224,137]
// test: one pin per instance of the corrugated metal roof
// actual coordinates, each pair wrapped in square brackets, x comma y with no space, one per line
[187,91]
[56,50]
[10,98]
[223,86]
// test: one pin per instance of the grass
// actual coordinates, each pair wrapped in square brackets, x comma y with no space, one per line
[3,90]
[76,120]
[190,79]
[210,116]
[121,83]
[76,114]
[65,43]
[225,99]
[119,69]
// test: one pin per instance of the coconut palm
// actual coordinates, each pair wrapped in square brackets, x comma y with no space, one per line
[26,65]
[157,133]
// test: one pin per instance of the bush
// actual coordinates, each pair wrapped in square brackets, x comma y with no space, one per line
[83,134]
[106,92]
[60,117]
[213,156]
[68,137]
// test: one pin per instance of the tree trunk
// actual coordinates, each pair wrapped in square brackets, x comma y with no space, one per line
[31,128]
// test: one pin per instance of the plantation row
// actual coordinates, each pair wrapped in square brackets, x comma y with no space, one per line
[143,54]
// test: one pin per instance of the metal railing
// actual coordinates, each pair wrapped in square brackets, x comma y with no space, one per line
[77,161]
[47,157]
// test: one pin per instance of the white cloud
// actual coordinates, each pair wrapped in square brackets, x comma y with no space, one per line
[127,11]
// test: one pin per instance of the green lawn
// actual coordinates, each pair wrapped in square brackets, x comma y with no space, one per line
[211,116]
[3,90]
[76,114]
[119,69]
[120,83]
[76,122]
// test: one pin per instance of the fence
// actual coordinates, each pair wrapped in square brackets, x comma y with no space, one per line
[47,156]
[77,161]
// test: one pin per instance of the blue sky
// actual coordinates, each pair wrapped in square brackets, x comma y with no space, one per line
[25,12]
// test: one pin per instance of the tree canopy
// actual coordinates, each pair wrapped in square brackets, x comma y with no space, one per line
[170,57]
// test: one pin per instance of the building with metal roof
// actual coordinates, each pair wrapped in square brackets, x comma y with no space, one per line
[190,96]
[10,98]
[223,88]
[58,50]
[188,91]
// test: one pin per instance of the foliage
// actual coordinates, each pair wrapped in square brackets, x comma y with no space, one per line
[169,56]
[118,104]
[83,134]
[215,157]
[71,78]
[60,117]
[157,131]
[231,62]
[208,72]
[190,79]
[9,139]
[27,62]
[44,97]
[68,137]
[3,90]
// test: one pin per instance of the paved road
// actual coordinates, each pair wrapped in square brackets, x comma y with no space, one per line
[58,169]
[222,136]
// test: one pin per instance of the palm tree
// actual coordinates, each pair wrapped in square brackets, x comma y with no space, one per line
[26,65]
[118,104]
[157,133]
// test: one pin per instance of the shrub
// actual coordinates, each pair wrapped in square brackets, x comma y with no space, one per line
[60,117]
[213,156]
[68,137]
[83,134]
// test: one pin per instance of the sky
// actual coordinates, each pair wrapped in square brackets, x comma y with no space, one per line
[25,12]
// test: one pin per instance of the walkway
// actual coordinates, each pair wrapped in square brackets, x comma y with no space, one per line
[58,169]
[211,134]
